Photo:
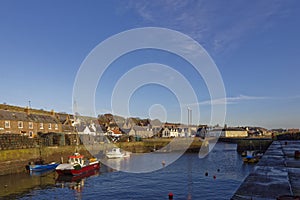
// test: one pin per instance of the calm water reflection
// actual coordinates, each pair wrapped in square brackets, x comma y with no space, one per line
[184,177]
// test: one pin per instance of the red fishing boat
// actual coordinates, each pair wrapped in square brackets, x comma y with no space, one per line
[77,165]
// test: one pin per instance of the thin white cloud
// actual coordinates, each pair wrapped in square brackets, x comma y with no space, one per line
[230,100]
[241,98]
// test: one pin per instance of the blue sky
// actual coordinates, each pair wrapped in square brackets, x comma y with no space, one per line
[255,45]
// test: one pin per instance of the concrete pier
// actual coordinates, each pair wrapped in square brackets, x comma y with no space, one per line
[276,175]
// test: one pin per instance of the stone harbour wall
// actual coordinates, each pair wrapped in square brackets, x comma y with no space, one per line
[276,176]
[16,141]
[14,161]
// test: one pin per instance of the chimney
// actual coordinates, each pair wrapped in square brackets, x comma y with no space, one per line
[52,112]
[27,110]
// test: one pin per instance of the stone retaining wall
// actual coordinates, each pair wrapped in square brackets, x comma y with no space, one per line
[14,161]
[16,141]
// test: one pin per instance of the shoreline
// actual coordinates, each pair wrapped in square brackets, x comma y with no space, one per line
[14,161]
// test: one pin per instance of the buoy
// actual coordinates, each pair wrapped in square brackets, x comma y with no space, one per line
[214,177]
[206,173]
[170,195]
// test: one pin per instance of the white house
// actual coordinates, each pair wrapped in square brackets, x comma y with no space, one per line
[174,132]
[166,132]
[86,130]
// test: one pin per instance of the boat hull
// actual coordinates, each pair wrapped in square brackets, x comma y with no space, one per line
[111,156]
[40,168]
[76,172]
[250,160]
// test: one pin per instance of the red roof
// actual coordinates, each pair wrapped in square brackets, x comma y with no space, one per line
[116,131]
[76,155]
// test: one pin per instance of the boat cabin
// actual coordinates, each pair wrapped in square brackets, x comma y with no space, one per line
[116,151]
[76,159]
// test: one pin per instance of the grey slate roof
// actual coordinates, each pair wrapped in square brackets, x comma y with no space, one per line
[22,116]
[139,128]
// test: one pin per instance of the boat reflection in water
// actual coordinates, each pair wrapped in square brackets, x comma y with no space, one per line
[75,182]
[41,173]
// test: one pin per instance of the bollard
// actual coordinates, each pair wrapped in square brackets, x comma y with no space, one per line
[170,195]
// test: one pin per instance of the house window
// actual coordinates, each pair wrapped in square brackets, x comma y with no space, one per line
[41,126]
[56,126]
[20,124]
[50,126]
[30,134]
[7,124]
[30,125]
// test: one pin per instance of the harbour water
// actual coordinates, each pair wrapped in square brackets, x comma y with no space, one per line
[217,176]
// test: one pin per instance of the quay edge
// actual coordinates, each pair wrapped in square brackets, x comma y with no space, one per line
[276,176]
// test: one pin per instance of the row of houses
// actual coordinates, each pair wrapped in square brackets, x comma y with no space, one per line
[181,131]
[29,123]
[140,131]
[89,127]
[178,132]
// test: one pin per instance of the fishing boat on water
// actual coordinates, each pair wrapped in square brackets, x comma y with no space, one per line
[43,167]
[252,156]
[250,159]
[40,166]
[77,165]
[116,153]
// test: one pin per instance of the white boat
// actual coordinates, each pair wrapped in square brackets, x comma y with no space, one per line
[116,153]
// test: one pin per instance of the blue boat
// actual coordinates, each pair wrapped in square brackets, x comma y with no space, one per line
[45,167]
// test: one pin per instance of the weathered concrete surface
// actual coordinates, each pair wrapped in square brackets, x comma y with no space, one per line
[277,174]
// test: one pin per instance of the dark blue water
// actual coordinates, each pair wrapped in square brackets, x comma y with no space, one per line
[184,178]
